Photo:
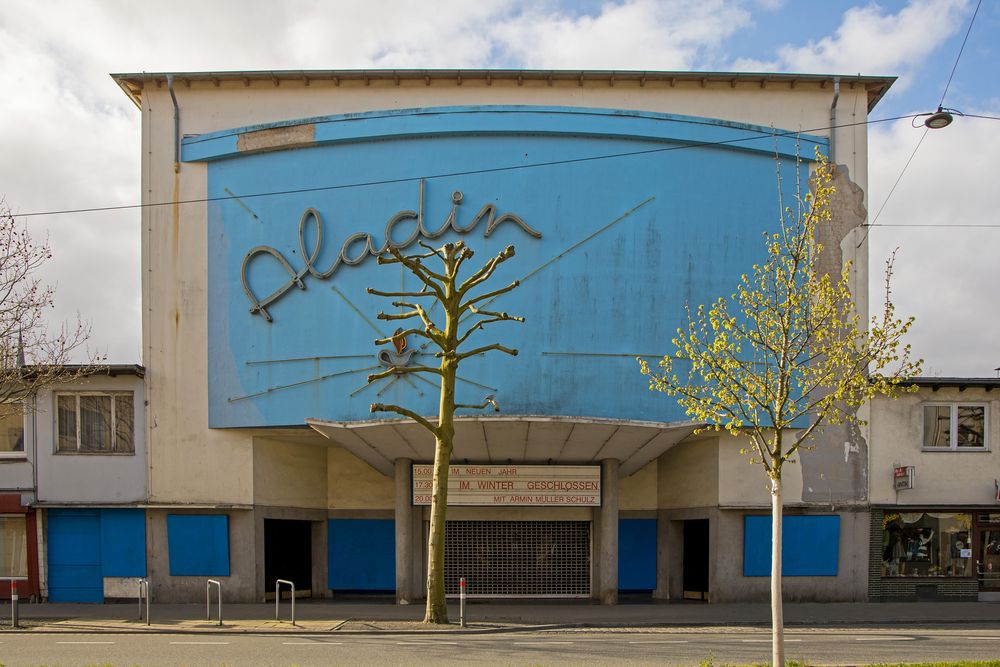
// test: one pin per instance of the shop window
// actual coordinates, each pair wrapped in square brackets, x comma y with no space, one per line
[13,546]
[100,423]
[12,435]
[955,427]
[926,544]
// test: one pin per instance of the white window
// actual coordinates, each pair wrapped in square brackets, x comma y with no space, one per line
[11,434]
[955,426]
[13,546]
[101,423]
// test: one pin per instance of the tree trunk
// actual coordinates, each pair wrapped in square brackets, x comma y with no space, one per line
[437,606]
[777,616]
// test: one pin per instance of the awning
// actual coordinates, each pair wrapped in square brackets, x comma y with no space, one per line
[511,439]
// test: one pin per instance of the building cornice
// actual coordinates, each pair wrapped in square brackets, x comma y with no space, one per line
[133,84]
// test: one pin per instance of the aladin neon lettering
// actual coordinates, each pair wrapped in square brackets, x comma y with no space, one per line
[364,245]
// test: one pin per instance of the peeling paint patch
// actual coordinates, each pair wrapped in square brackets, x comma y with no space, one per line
[278,138]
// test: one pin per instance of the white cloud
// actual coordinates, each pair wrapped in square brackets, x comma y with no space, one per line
[872,41]
[946,275]
[637,34]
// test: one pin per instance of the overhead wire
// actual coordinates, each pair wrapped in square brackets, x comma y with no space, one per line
[468,172]
[926,129]
[960,50]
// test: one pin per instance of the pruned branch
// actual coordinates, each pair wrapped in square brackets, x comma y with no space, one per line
[376,292]
[483,274]
[402,370]
[427,277]
[489,400]
[407,332]
[468,305]
[480,350]
[478,326]
[431,251]
[387,407]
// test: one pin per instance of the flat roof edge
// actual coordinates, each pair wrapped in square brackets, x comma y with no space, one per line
[133,83]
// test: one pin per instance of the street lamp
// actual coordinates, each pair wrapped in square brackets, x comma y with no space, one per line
[939,119]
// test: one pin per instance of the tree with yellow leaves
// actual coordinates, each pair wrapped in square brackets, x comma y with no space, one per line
[786,355]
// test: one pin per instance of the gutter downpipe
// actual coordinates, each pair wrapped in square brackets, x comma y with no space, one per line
[177,123]
[833,116]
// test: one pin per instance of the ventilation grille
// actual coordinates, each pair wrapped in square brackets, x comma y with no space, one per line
[518,558]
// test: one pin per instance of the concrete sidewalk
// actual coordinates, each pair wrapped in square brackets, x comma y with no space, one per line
[358,617]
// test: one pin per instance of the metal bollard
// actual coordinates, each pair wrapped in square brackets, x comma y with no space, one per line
[13,605]
[277,597]
[461,601]
[144,594]
[208,598]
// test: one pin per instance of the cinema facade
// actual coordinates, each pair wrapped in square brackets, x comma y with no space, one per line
[628,196]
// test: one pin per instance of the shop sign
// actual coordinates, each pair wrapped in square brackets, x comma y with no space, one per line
[902,478]
[513,485]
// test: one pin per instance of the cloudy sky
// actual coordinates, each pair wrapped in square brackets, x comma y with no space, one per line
[70,139]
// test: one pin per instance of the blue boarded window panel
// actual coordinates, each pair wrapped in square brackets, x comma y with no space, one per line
[362,554]
[198,544]
[74,555]
[810,546]
[123,542]
[636,554]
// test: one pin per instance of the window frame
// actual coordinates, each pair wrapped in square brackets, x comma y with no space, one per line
[16,454]
[25,544]
[953,407]
[77,395]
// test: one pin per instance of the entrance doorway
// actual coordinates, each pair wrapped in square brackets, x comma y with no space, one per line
[988,563]
[695,575]
[288,555]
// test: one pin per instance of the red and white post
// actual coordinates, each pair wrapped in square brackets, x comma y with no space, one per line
[461,601]
[13,604]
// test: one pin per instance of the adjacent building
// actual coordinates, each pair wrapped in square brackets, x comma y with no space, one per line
[73,481]
[934,494]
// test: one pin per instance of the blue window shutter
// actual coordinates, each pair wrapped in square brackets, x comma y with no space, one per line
[198,544]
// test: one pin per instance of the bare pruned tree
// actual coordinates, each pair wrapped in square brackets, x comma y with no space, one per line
[31,355]
[459,308]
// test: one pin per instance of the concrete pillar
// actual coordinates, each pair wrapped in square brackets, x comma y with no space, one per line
[320,558]
[607,588]
[404,531]
[662,591]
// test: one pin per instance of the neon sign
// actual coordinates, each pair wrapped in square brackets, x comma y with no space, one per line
[361,245]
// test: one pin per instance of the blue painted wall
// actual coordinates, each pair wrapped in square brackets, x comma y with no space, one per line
[361,554]
[670,222]
[86,545]
[636,554]
[810,546]
[198,544]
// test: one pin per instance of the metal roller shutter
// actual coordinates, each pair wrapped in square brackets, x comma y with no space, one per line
[518,558]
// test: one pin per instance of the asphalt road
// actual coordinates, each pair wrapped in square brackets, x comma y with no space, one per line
[820,646]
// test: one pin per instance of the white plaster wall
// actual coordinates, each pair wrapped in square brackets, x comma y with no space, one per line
[288,474]
[688,474]
[89,478]
[746,484]
[186,457]
[638,490]
[353,484]
[941,477]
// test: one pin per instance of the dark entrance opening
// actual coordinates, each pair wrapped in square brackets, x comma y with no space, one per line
[696,559]
[288,554]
